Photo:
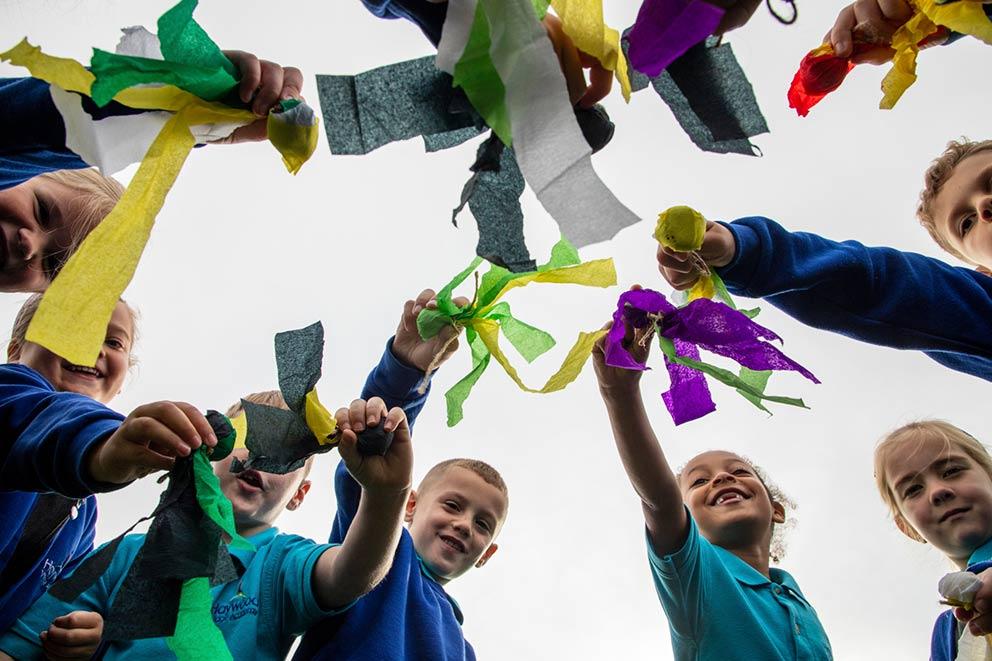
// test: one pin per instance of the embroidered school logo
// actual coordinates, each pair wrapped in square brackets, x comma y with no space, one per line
[237,607]
[49,573]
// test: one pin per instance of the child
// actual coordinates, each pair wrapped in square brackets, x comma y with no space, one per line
[289,582]
[50,199]
[937,481]
[454,516]
[710,533]
[56,432]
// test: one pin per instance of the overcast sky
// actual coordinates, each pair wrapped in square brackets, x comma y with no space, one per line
[243,250]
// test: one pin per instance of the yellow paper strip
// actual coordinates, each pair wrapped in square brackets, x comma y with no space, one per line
[903,71]
[967,17]
[597,273]
[583,22]
[240,424]
[320,421]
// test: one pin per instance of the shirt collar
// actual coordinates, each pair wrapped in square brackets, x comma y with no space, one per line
[258,540]
[748,575]
[982,553]
[432,577]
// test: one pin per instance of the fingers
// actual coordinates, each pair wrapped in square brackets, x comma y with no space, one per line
[600,84]
[841,36]
[251,72]
[268,89]
[73,636]
[199,422]
[395,420]
[263,83]
[981,625]
[292,83]
[168,427]
[676,268]
[361,414]
[737,15]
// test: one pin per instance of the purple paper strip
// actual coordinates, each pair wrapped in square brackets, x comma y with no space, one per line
[665,29]
[633,305]
[689,397]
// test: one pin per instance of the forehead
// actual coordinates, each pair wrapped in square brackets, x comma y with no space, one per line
[713,460]
[471,487]
[916,454]
[959,184]
[121,319]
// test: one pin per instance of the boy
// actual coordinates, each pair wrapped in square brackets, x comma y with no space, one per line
[453,516]
[878,295]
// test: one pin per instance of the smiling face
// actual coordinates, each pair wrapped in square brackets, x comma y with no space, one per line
[962,209]
[942,493]
[259,498]
[728,501]
[101,382]
[35,233]
[453,521]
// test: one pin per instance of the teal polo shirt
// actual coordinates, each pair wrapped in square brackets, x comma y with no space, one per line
[259,615]
[721,608]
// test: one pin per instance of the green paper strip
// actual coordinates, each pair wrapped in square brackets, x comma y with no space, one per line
[757,379]
[183,40]
[458,393]
[476,74]
[213,502]
[197,636]
[727,377]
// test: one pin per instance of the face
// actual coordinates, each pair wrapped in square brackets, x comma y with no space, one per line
[34,236]
[454,521]
[962,210]
[259,498]
[729,503]
[943,494]
[101,382]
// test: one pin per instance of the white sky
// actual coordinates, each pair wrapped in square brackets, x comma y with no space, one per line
[243,250]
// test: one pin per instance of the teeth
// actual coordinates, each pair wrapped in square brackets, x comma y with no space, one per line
[84,370]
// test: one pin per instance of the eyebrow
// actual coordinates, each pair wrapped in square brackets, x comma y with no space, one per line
[935,465]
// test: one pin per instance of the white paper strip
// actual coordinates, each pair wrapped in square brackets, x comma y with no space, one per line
[455,33]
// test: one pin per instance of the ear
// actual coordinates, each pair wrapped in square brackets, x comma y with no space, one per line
[778,512]
[908,530]
[488,554]
[13,351]
[983,270]
[411,507]
[301,493]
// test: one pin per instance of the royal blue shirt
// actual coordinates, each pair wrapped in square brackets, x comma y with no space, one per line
[879,295]
[946,630]
[46,437]
[428,16]
[719,607]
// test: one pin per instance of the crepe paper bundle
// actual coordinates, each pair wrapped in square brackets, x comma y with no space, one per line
[582,21]
[486,316]
[682,332]
[190,87]
[710,96]
[958,590]
[665,29]
[822,71]
[498,52]
[183,555]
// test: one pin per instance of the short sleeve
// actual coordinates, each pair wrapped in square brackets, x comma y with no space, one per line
[678,580]
[298,558]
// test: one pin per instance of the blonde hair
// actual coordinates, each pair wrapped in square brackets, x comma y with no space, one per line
[24,316]
[776,549]
[489,474]
[94,197]
[935,177]
[271,398]
[920,431]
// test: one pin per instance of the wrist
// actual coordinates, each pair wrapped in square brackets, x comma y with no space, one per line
[616,395]
[95,463]
[385,497]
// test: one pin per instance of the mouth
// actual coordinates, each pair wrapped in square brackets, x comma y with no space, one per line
[89,372]
[453,542]
[729,496]
[252,479]
[954,512]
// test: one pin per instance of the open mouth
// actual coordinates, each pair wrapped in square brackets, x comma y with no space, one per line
[728,496]
[252,478]
[954,512]
[90,372]
[453,543]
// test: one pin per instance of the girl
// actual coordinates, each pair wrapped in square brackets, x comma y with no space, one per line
[710,535]
[937,481]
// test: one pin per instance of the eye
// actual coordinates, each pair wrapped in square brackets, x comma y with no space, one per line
[452,505]
[698,482]
[482,523]
[966,224]
[114,343]
[742,471]
[911,491]
[952,470]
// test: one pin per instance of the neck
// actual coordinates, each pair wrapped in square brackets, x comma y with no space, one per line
[757,556]
[249,529]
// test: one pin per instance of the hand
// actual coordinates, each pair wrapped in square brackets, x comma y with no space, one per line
[387,475]
[416,352]
[718,250]
[149,440]
[616,381]
[736,13]
[263,84]
[979,618]
[572,62]
[73,636]
[868,21]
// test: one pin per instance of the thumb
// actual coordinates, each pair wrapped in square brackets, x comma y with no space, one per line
[348,449]
[719,245]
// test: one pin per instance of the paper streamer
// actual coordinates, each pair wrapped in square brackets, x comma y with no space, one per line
[665,29]
[582,21]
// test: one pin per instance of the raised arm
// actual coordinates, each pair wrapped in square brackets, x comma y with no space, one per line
[648,470]
[346,572]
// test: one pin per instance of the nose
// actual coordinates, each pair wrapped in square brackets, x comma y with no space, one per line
[940,494]
[461,526]
[30,243]
[724,476]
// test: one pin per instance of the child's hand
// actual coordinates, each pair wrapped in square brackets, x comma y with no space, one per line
[410,348]
[979,618]
[387,475]
[73,636]
[871,21]
[718,250]
[572,62]
[149,440]
[736,13]
[615,381]
[263,84]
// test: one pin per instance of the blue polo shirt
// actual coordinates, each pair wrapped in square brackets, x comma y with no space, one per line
[719,607]
[947,630]
[259,615]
